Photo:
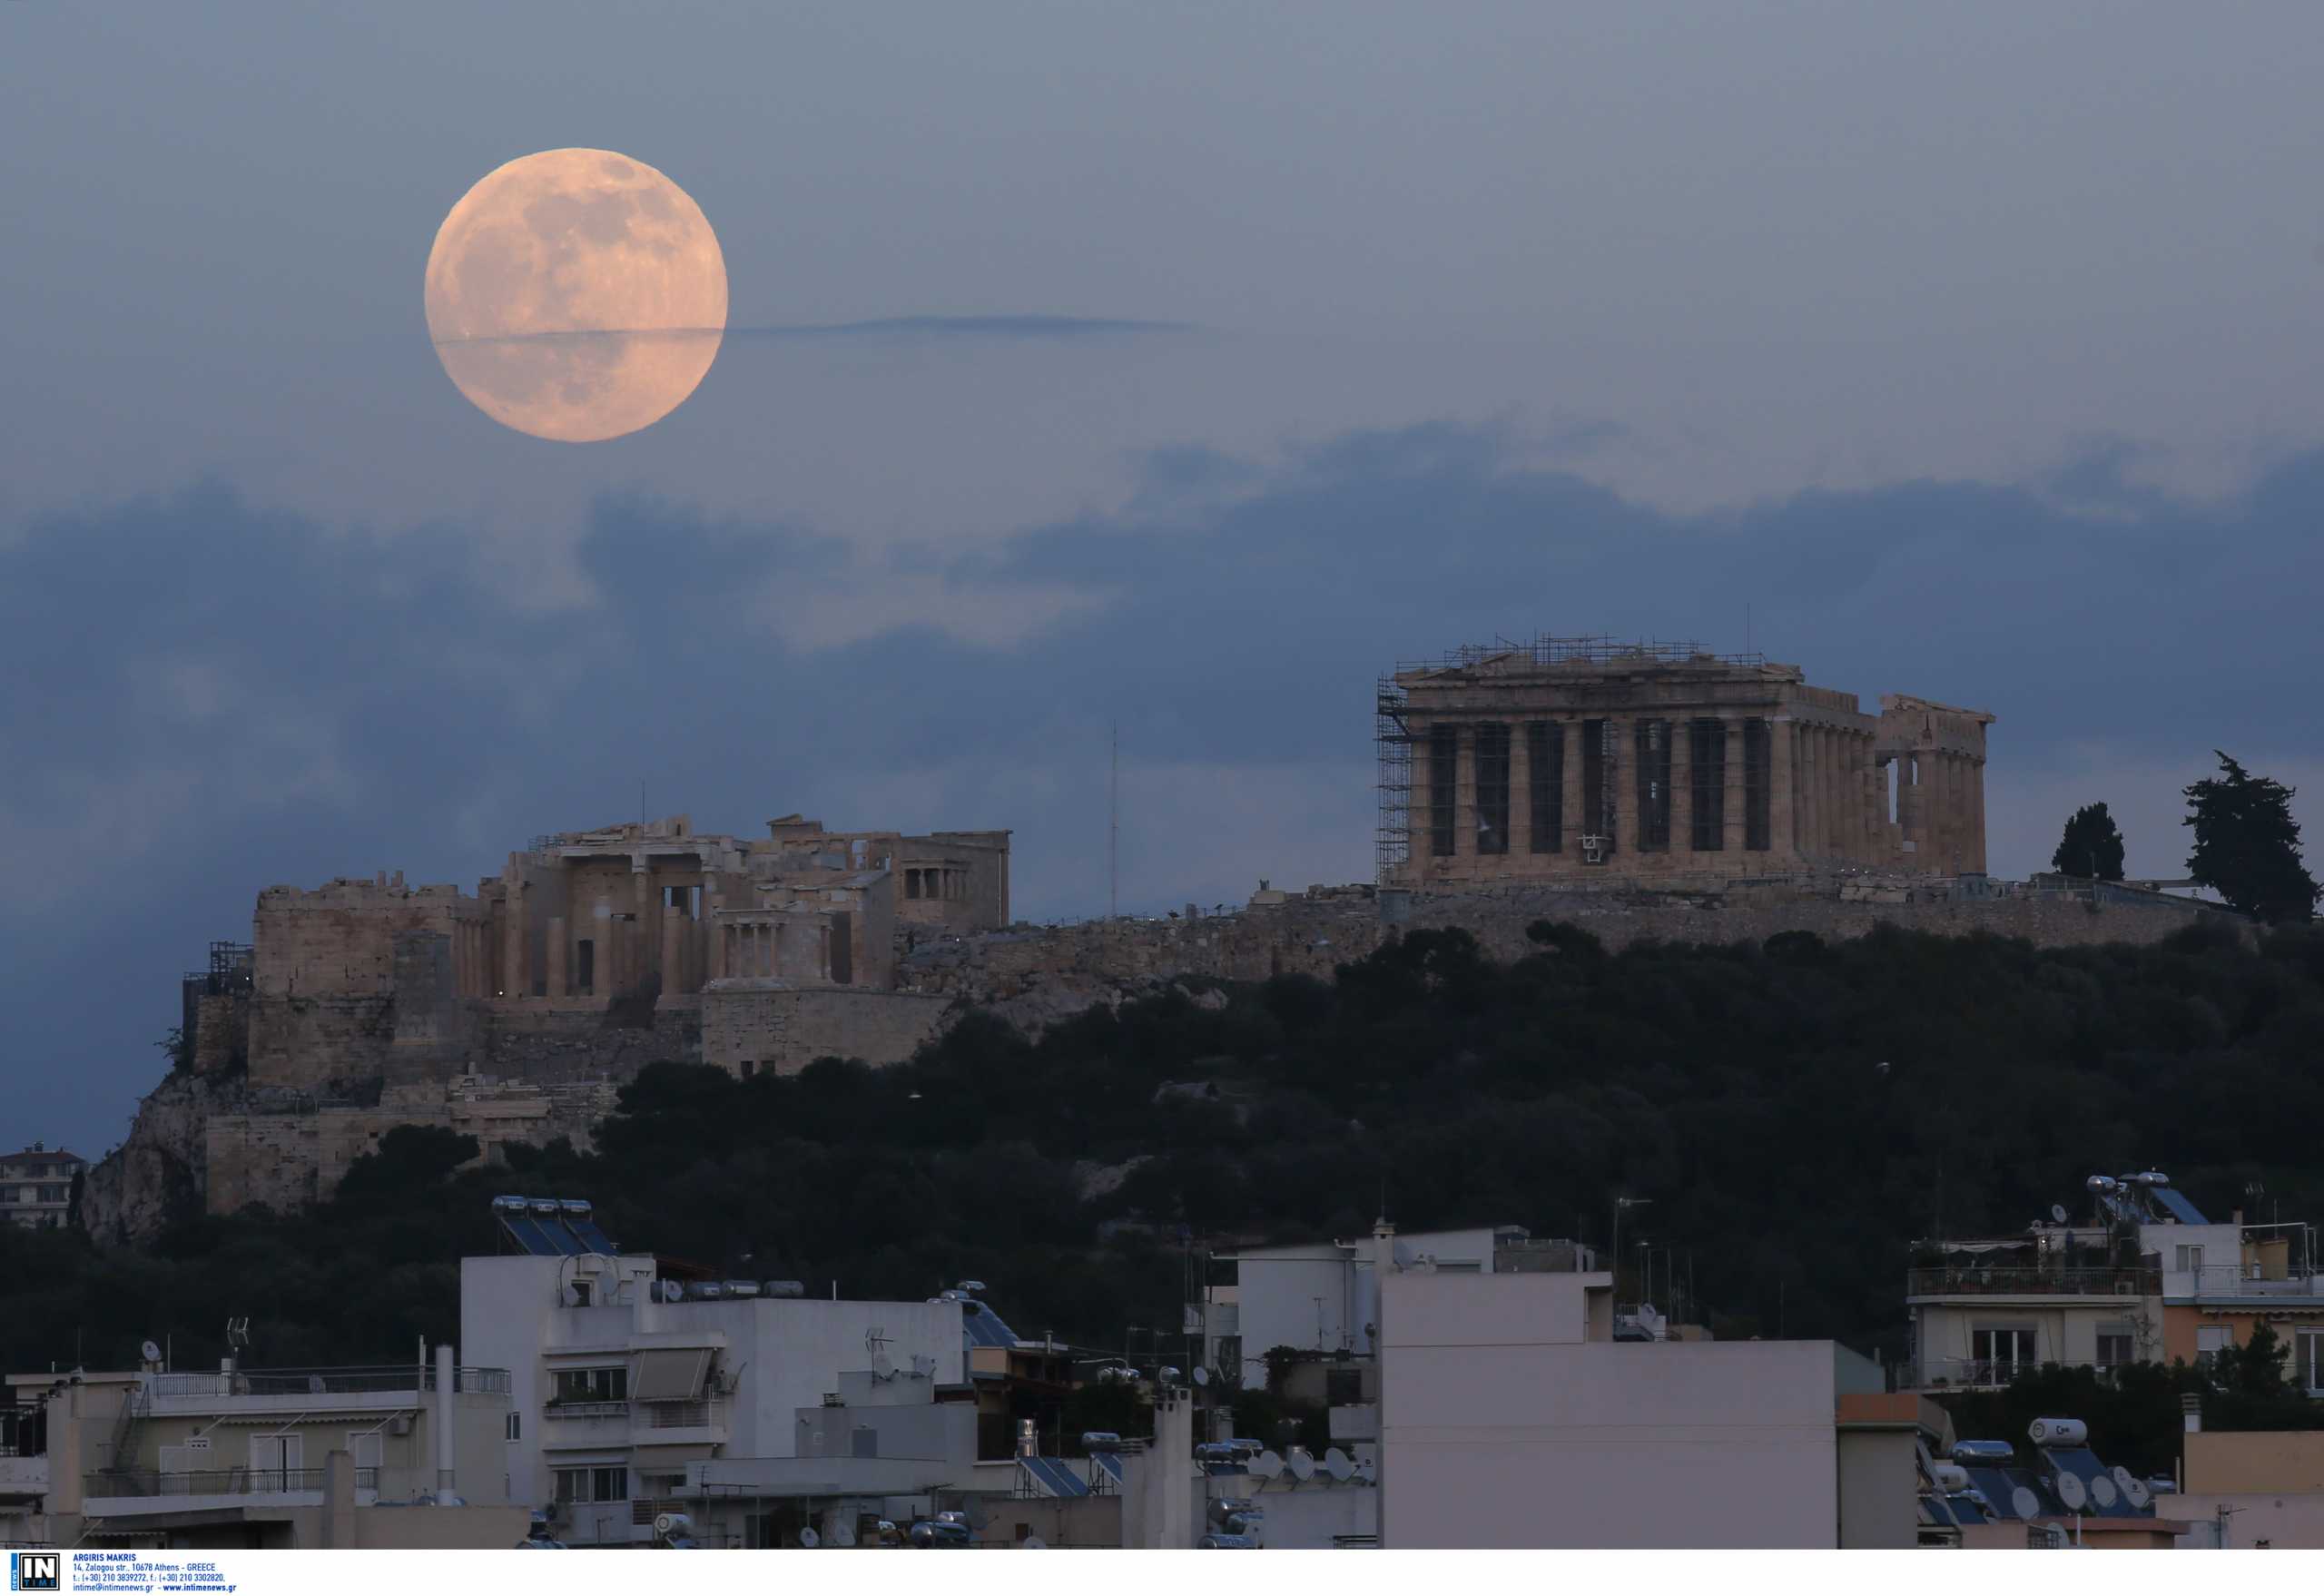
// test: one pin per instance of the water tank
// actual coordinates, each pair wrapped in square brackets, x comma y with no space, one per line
[1227,1543]
[1984,1452]
[706,1291]
[2059,1432]
[784,1288]
[1100,1441]
[1950,1477]
[740,1287]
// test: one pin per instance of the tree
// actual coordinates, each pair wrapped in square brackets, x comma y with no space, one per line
[180,1051]
[2247,844]
[2092,846]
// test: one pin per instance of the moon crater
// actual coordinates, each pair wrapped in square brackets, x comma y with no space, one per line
[576,295]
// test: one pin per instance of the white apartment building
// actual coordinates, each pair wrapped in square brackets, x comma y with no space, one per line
[1318,1296]
[1510,1417]
[618,1395]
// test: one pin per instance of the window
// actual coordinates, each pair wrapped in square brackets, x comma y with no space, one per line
[2117,1346]
[1492,788]
[274,1459]
[1342,1385]
[1444,779]
[2211,1340]
[2000,1351]
[2190,1259]
[514,1428]
[2308,1358]
[592,1385]
[1545,776]
[593,1484]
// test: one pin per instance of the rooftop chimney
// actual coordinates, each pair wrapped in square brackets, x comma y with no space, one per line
[447,1376]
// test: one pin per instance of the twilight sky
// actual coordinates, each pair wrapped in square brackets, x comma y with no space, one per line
[1974,349]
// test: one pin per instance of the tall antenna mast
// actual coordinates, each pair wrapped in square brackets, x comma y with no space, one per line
[1114,822]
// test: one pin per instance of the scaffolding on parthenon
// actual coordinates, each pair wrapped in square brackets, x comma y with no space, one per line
[1393,740]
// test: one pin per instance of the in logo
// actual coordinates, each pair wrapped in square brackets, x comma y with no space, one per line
[36,1570]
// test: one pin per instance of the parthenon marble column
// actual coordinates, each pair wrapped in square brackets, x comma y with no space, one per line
[1782,834]
[1621,760]
[553,965]
[1732,838]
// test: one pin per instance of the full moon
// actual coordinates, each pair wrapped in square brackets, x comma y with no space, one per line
[576,295]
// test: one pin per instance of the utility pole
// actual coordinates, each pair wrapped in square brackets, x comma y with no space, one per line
[1114,822]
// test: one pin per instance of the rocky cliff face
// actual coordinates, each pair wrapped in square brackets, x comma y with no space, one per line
[160,1174]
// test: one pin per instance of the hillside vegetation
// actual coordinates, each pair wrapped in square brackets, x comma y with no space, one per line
[1796,1113]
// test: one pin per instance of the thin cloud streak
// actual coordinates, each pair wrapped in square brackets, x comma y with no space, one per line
[1015,327]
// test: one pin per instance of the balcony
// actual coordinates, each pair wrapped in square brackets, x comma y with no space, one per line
[1981,1374]
[122,1492]
[2021,1280]
[2241,1282]
[311,1390]
[585,1423]
[678,1424]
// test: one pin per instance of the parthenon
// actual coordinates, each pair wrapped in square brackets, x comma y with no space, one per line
[1569,757]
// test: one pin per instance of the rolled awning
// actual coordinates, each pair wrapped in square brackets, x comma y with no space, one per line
[669,1375]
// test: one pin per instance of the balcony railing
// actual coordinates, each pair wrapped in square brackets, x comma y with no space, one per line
[680,1416]
[214,1482]
[1983,1374]
[324,1382]
[2243,1280]
[2019,1280]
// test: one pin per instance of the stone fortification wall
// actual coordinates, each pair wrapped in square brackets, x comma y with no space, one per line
[533,1043]
[749,1027]
[288,1159]
[1031,975]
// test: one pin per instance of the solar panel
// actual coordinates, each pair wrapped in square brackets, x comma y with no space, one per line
[1111,1462]
[592,1239]
[2001,1487]
[1052,1477]
[2176,1207]
[530,1235]
[987,1328]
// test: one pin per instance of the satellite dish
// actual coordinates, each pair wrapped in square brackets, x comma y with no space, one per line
[2023,1503]
[883,1364]
[810,1539]
[1032,1543]
[1338,1464]
[2071,1492]
[1302,1467]
[663,1522]
[1267,1464]
[842,1536]
[2103,1490]
[2058,1212]
[153,1353]
[1201,1376]
[2134,1491]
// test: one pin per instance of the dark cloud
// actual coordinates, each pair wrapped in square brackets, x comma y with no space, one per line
[207,697]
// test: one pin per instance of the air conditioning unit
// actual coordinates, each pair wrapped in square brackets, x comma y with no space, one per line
[401,1424]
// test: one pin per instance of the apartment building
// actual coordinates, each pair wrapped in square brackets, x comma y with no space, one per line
[37,1185]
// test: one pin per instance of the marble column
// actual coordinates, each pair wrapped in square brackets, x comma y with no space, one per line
[513,973]
[1520,788]
[1731,837]
[1977,815]
[1621,824]
[1811,833]
[1783,837]
[553,963]
[672,954]
[1464,793]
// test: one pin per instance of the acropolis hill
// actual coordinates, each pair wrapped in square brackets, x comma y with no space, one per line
[1635,791]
